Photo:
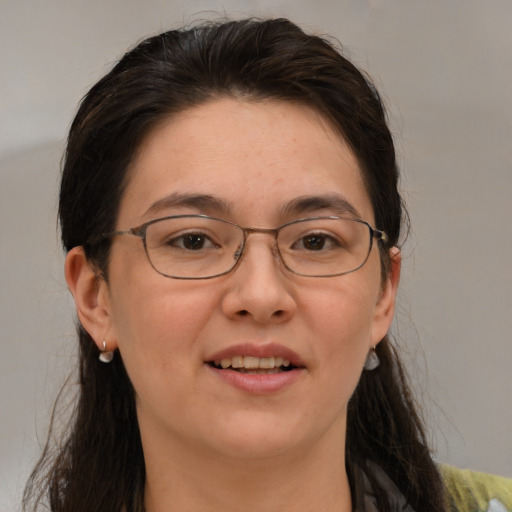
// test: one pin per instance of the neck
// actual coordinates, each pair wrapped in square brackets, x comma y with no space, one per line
[307,480]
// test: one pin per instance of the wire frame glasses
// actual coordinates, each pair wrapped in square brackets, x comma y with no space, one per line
[202,247]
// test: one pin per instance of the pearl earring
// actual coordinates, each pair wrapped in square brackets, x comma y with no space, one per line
[106,356]
[372,360]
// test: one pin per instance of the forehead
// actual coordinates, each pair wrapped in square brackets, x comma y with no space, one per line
[253,156]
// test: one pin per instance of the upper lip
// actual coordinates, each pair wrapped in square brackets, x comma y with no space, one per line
[257,350]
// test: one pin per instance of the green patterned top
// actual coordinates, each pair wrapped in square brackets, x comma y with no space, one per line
[470,491]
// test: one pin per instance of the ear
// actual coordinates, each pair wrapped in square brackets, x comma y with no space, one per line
[90,292]
[385,307]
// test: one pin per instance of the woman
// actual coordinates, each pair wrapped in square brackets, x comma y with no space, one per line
[230,211]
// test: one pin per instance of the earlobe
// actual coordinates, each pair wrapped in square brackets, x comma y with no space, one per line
[385,307]
[90,293]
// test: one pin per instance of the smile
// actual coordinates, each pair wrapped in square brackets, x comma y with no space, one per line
[257,368]
[254,365]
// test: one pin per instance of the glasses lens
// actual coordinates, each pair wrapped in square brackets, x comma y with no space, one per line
[193,246]
[324,246]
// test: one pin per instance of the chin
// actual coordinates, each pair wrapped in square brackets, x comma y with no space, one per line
[260,437]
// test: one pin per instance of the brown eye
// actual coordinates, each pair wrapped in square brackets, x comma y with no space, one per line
[192,242]
[313,242]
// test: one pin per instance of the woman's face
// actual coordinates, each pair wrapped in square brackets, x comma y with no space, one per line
[255,159]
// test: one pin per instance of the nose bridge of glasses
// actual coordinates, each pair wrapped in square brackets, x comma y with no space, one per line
[269,231]
[262,231]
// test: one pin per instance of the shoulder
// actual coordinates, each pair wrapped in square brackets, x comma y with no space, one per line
[471,491]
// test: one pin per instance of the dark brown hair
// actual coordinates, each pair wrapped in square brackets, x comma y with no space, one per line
[98,464]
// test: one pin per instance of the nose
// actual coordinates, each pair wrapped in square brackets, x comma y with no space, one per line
[260,287]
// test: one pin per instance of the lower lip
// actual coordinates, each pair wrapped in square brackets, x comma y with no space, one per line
[260,383]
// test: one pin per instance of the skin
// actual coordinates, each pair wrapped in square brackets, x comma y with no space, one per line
[207,444]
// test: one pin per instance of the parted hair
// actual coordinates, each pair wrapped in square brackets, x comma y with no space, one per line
[96,464]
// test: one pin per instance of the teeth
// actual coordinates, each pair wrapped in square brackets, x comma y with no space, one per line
[253,363]
[237,362]
[267,362]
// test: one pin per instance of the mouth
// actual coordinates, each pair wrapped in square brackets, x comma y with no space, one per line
[254,365]
[257,369]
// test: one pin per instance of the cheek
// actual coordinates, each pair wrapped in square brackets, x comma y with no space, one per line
[157,322]
[343,314]
[342,321]
[159,329]
[164,320]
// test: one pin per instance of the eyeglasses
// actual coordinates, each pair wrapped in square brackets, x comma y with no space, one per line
[202,247]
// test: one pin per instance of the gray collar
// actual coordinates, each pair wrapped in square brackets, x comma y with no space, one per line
[395,497]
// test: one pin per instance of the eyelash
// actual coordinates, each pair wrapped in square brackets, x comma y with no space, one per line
[173,242]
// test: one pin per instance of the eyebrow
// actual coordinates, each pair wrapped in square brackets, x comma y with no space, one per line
[202,202]
[208,203]
[334,202]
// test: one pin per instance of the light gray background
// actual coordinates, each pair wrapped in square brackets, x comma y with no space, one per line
[445,70]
